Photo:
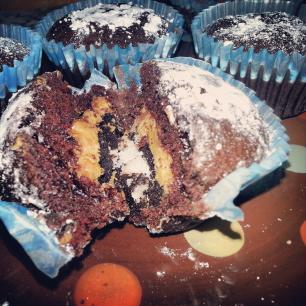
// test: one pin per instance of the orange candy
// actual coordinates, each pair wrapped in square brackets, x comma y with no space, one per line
[107,285]
[303,232]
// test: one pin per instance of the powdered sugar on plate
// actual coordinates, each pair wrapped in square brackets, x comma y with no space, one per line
[187,254]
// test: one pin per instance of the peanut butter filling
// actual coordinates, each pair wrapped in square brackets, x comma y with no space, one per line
[85,132]
[146,126]
[18,144]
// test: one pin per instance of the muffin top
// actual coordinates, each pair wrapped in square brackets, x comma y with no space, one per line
[108,24]
[271,31]
[10,50]
[198,98]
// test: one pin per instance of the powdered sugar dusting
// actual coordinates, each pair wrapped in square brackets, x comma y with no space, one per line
[11,49]
[129,158]
[19,107]
[272,31]
[10,125]
[113,16]
[168,252]
[196,95]
[130,161]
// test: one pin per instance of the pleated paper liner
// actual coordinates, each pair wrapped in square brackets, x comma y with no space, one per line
[77,63]
[12,78]
[277,78]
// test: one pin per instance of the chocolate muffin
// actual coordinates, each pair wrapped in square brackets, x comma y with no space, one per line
[102,34]
[75,155]
[188,123]
[10,50]
[81,159]
[109,24]
[44,161]
[260,43]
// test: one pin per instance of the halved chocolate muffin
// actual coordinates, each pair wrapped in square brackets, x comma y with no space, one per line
[194,129]
[45,158]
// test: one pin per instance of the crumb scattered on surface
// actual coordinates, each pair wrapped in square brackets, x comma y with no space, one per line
[188,254]
[160,274]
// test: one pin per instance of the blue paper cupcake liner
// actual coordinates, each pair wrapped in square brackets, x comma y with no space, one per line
[193,5]
[199,5]
[11,78]
[285,73]
[104,58]
[38,241]
[220,199]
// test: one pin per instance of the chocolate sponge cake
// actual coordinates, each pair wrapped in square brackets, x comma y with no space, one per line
[44,161]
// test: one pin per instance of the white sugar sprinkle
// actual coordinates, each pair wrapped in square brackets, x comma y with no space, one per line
[277,31]
[195,96]
[189,254]
[20,105]
[160,274]
[168,252]
[11,46]
[114,17]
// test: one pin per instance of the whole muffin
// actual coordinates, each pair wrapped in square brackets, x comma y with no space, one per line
[262,45]
[101,34]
